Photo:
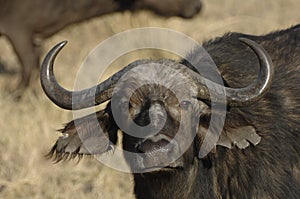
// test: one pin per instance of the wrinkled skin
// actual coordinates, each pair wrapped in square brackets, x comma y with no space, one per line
[25,22]
[267,169]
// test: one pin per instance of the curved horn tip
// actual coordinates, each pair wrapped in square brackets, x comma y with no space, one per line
[60,45]
[63,43]
[50,56]
[248,41]
[53,52]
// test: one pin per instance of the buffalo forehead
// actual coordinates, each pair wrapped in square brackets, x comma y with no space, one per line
[166,75]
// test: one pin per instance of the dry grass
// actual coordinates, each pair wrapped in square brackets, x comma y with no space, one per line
[28,127]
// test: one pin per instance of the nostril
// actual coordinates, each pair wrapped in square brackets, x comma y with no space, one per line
[158,122]
[157,115]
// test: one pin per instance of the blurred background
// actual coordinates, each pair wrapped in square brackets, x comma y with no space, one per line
[28,127]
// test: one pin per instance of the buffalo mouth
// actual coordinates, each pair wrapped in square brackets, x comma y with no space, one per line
[159,152]
[156,143]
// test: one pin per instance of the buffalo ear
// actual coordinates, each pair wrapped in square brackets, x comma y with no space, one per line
[241,137]
[236,132]
[89,135]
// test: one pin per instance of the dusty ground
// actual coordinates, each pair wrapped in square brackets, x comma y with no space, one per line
[28,128]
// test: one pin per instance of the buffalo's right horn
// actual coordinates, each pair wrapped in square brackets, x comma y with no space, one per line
[74,100]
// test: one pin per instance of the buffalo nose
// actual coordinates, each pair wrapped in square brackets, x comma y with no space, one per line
[157,116]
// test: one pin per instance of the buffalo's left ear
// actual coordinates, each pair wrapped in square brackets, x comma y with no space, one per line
[241,137]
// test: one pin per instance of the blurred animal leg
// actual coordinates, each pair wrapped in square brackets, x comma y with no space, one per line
[27,54]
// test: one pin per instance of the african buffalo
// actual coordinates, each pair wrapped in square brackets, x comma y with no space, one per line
[23,22]
[257,154]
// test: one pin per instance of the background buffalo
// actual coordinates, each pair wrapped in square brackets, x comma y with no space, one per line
[25,24]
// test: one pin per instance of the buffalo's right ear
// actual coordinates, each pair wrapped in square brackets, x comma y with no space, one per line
[90,135]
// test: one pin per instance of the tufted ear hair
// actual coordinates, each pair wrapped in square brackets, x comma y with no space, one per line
[241,137]
[90,135]
[236,134]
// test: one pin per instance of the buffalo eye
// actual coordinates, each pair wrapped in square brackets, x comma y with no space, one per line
[185,105]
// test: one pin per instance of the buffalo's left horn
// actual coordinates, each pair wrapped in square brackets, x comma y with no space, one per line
[242,96]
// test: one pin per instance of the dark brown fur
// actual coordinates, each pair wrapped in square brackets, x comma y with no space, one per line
[263,171]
